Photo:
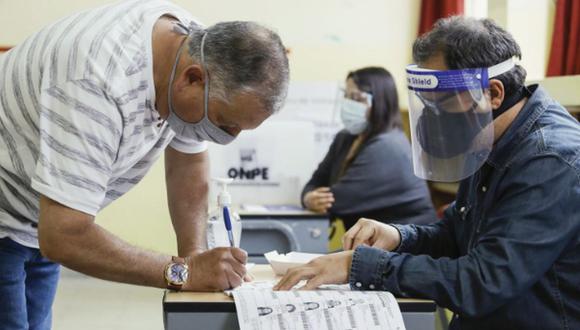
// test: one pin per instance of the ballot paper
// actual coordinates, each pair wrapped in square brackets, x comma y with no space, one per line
[264,309]
[268,285]
[280,263]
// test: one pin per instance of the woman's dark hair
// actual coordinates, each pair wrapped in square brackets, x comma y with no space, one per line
[385,114]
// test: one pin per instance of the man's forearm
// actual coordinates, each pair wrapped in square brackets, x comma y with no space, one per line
[189,223]
[187,190]
[98,253]
[72,238]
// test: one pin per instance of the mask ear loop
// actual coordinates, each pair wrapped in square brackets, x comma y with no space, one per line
[205,76]
[171,78]
[183,29]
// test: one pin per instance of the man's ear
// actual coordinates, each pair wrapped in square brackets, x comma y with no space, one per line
[193,74]
[497,93]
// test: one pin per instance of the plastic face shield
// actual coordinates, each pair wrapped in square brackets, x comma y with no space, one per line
[451,120]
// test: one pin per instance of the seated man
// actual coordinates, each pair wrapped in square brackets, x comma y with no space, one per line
[507,252]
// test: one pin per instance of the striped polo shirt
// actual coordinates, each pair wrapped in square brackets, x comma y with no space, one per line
[77,117]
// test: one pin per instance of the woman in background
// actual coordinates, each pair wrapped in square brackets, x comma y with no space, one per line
[367,171]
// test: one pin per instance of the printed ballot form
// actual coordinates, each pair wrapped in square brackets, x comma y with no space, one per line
[329,309]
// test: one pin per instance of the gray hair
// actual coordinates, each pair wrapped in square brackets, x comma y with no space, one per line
[471,43]
[243,57]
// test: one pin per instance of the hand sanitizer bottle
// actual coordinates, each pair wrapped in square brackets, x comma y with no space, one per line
[217,232]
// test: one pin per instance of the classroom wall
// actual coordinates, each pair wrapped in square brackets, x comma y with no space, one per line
[531,23]
[326,38]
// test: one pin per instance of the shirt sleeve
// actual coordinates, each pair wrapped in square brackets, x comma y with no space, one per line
[187,145]
[436,239]
[79,131]
[523,235]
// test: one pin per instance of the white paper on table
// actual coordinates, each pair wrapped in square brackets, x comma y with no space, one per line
[280,263]
[268,285]
[317,310]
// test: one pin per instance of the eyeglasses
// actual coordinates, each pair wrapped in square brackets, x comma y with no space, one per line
[359,96]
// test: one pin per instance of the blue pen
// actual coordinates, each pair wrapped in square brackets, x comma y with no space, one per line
[228,223]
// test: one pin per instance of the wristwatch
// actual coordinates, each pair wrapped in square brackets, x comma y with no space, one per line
[176,273]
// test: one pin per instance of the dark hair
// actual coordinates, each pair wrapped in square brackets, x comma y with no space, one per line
[385,114]
[467,42]
[244,57]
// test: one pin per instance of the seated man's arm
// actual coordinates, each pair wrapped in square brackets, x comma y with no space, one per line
[436,239]
[522,236]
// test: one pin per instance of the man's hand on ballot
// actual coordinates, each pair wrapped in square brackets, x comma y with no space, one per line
[331,269]
[218,269]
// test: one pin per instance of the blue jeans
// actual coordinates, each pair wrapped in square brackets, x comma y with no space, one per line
[28,284]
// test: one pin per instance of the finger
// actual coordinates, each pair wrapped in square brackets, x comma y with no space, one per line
[321,205]
[294,276]
[349,236]
[239,254]
[319,195]
[285,279]
[313,283]
[248,278]
[323,200]
[234,279]
[364,235]
[221,283]
[239,268]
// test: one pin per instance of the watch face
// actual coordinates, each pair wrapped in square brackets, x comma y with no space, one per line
[177,273]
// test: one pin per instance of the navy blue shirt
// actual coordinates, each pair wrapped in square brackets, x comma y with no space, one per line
[507,252]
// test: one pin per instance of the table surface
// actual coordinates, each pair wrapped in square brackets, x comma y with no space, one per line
[219,301]
[280,213]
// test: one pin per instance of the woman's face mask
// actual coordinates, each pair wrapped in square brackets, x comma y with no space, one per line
[353,111]
[353,115]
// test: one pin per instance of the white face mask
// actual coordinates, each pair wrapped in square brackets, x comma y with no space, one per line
[203,130]
[354,116]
